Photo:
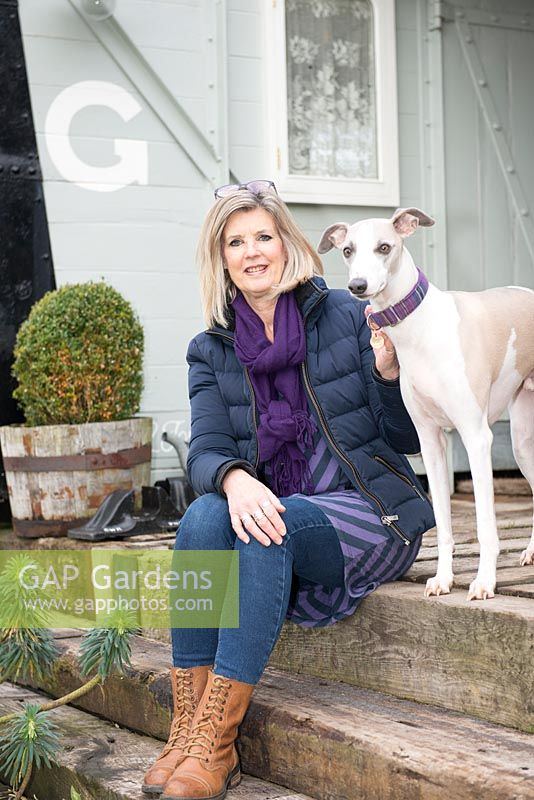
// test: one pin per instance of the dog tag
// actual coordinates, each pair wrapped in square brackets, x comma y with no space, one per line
[377,340]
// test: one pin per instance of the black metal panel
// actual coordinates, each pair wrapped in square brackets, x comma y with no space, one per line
[17,136]
[26,270]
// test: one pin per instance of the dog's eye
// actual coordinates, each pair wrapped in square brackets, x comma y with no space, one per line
[347,251]
[384,248]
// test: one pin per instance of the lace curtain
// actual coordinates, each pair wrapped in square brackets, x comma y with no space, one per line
[331,88]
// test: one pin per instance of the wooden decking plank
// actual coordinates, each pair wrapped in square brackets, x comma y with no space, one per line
[515,486]
[422,570]
[462,581]
[465,570]
[470,537]
[514,520]
[518,577]
[516,545]
[330,741]
[519,590]
[512,504]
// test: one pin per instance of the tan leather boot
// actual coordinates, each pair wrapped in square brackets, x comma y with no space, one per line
[187,689]
[211,765]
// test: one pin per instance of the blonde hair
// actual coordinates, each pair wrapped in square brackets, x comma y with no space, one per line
[216,288]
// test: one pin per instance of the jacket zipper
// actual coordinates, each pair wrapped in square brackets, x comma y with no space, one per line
[399,475]
[388,520]
[253,397]
[254,420]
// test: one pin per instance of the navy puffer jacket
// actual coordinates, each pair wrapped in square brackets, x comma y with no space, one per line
[363,417]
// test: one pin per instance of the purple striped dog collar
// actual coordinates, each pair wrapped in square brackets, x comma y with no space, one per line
[392,315]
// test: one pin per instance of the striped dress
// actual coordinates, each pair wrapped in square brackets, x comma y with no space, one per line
[373,555]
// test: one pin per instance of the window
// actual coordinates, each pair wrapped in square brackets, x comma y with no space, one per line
[331,100]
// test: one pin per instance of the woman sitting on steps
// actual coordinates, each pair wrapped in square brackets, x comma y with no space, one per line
[296,433]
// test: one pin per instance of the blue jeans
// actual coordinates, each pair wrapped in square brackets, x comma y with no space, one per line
[310,549]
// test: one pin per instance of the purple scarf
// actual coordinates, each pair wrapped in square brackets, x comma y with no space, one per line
[286,428]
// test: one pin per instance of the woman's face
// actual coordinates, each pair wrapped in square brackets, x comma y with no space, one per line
[253,252]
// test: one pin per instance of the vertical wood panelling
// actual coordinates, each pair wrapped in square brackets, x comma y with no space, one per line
[488,72]
[495,216]
[482,211]
[520,75]
[141,239]
[432,144]
[462,172]
[246,124]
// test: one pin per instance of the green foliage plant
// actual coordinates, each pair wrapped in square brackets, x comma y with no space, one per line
[27,652]
[31,740]
[79,357]
[27,738]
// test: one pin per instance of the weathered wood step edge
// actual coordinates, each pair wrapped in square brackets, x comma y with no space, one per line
[473,657]
[476,658]
[105,762]
[334,741]
[501,485]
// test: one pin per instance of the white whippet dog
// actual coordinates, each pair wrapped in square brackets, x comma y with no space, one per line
[464,357]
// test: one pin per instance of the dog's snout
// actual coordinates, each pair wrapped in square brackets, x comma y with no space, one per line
[358,286]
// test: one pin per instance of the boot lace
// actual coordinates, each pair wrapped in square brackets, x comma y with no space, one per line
[184,700]
[202,739]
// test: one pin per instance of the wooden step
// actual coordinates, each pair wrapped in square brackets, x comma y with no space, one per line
[474,657]
[514,521]
[328,740]
[512,485]
[105,762]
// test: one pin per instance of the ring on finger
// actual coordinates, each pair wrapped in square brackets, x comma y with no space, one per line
[245,519]
[266,504]
[258,516]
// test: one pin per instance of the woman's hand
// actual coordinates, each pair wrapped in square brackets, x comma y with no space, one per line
[254,509]
[386,361]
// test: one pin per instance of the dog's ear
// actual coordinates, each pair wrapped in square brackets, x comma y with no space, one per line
[406,220]
[334,236]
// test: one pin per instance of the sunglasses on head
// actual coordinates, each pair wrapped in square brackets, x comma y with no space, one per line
[256,187]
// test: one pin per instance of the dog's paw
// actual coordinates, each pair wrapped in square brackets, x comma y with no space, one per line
[527,557]
[481,590]
[438,585]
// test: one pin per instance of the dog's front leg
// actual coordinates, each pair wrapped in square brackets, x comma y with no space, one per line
[477,440]
[434,452]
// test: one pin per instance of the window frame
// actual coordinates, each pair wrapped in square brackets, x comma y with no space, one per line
[380,191]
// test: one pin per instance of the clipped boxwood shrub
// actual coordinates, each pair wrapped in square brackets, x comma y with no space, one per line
[79,357]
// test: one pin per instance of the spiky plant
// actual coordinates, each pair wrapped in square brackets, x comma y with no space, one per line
[18,609]
[108,649]
[29,740]
[26,654]
[26,646]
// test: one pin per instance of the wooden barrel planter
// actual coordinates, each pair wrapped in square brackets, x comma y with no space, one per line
[58,474]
